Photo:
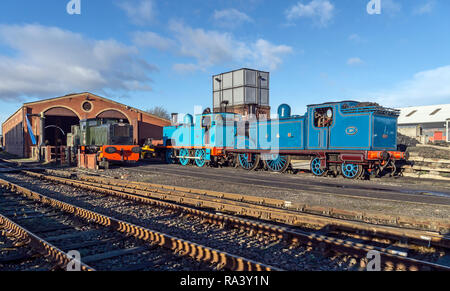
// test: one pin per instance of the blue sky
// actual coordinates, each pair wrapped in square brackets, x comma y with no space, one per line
[155,52]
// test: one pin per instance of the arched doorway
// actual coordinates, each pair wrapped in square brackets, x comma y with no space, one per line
[58,122]
[113,114]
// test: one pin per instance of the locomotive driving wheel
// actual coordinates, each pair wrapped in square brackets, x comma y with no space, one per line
[278,163]
[184,154]
[249,162]
[316,168]
[351,171]
[170,156]
[200,158]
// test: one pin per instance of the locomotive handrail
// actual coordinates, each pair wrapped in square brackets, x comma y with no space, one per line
[371,109]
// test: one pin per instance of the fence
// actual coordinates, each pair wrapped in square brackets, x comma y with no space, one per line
[50,154]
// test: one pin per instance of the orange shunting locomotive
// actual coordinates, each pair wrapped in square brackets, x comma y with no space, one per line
[100,142]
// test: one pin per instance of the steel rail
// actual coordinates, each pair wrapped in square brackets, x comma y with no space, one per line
[371,218]
[311,186]
[177,245]
[255,207]
[332,244]
[46,249]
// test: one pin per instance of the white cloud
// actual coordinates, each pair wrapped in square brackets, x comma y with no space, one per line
[152,39]
[424,8]
[140,12]
[268,55]
[321,11]
[424,88]
[50,61]
[230,18]
[354,61]
[209,48]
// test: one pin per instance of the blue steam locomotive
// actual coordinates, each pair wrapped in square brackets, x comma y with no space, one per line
[346,138]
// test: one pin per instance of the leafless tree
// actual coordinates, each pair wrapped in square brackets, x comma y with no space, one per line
[159,111]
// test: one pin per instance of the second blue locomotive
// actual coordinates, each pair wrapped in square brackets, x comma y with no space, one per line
[348,138]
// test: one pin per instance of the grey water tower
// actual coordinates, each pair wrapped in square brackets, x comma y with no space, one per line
[244,91]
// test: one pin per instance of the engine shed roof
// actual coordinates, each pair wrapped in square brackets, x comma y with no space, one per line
[424,114]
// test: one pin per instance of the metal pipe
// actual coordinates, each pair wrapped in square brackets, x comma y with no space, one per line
[41,134]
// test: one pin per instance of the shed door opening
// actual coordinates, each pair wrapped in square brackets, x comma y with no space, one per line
[113,114]
[58,122]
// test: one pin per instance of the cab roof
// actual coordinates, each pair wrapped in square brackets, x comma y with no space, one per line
[331,103]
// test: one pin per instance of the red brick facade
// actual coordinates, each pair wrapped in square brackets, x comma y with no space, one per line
[244,110]
[16,138]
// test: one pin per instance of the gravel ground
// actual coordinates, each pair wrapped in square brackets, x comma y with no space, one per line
[387,207]
[430,153]
[35,262]
[10,247]
[406,141]
[94,239]
[260,248]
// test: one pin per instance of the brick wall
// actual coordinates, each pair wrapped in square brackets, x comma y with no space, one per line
[16,134]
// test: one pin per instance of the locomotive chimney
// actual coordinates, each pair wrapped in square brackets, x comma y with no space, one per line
[224,105]
[174,119]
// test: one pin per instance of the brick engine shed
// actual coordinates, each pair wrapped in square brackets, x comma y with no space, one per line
[62,112]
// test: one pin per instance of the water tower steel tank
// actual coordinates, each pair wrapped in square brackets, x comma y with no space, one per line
[241,87]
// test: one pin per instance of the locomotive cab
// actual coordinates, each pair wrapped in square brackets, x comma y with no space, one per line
[201,141]
[353,136]
[351,125]
[208,130]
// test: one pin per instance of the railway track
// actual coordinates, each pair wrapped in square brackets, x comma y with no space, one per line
[271,209]
[289,182]
[53,229]
[373,218]
[24,251]
[345,237]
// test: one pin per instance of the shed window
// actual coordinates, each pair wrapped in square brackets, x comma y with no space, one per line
[87,106]
[411,113]
[434,112]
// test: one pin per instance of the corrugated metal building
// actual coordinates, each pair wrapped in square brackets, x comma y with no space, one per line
[432,123]
[21,131]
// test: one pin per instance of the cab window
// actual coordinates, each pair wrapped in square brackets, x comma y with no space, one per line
[323,117]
